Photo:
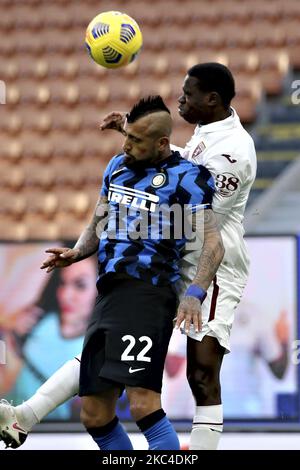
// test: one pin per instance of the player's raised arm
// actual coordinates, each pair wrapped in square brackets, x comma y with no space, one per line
[114,120]
[86,245]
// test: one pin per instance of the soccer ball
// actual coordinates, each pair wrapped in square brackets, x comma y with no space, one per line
[113,39]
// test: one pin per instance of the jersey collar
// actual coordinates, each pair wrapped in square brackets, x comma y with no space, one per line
[226,124]
[174,156]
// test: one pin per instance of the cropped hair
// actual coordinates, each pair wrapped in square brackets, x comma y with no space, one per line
[149,105]
[213,76]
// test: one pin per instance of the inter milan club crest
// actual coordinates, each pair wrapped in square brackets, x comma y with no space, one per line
[158,180]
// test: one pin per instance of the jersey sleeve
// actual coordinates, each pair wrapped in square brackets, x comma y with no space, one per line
[196,188]
[230,175]
[111,167]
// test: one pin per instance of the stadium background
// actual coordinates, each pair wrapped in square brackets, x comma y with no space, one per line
[53,154]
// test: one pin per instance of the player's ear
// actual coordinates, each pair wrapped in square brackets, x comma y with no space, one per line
[213,98]
[163,142]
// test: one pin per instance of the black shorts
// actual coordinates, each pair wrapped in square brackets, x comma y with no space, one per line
[127,339]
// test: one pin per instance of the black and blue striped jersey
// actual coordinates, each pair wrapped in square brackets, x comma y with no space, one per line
[141,238]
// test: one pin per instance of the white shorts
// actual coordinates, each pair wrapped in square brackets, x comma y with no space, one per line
[223,297]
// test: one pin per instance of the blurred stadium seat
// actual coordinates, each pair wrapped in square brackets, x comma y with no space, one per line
[12,204]
[13,230]
[41,228]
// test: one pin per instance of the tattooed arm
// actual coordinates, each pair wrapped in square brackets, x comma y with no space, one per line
[88,241]
[210,258]
[86,245]
[212,252]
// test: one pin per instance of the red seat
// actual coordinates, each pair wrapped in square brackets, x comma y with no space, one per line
[41,228]
[12,177]
[38,175]
[12,230]
[40,202]
[70,227]
[12,204]
[73,202]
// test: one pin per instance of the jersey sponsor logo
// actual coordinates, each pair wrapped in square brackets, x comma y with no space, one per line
[132,197]
[229,158]
[158,180]
[226,184]
[132,371]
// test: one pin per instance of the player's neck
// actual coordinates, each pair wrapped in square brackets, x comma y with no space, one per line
[218,115]
[165,154]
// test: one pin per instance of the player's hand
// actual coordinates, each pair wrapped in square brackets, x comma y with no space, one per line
[114,120]
[60,258]
[189,311]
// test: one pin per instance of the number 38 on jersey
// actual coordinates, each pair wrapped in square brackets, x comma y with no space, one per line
[226,184]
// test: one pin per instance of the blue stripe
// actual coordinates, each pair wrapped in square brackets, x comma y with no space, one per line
[158,257]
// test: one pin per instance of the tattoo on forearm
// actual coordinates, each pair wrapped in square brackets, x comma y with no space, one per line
[209,262]
[88,241]
[212,252]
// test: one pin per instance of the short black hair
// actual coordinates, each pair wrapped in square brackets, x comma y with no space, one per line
[149,105]
[216,77]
